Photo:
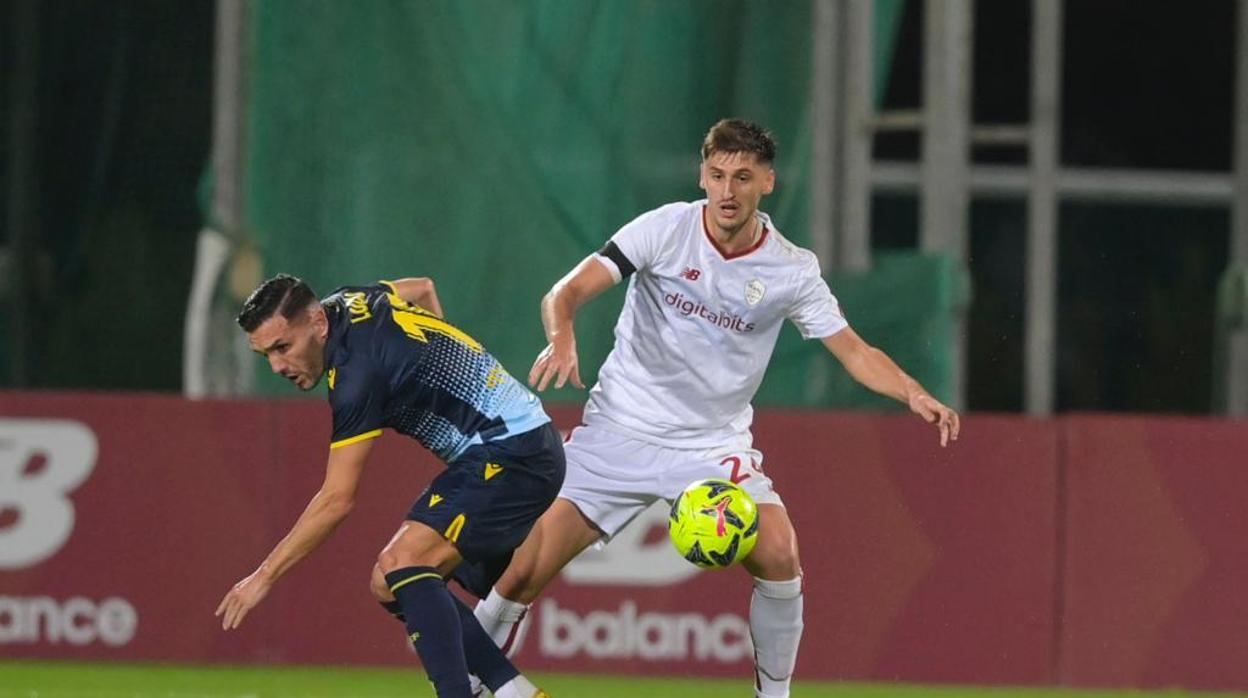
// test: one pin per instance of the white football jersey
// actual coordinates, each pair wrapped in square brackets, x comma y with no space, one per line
[698,327]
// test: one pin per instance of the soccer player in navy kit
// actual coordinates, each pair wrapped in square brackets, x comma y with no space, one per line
[390,360]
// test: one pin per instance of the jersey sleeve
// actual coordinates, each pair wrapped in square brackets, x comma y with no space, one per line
[357,404]
[391,291]
[815,311]
[636,246]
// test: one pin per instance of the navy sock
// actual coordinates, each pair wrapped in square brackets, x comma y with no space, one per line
[434,627]
[485,659]
[394,608]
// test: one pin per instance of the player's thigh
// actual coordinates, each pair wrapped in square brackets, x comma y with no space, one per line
[415,544]
[489,497]
[775,555]
[612,478]
[561,534]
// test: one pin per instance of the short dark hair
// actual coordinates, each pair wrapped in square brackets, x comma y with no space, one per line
[739,136]
[283,293]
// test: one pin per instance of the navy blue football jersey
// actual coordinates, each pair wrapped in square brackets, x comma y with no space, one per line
[392,364]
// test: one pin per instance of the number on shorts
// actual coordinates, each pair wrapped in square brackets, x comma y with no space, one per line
[737,477]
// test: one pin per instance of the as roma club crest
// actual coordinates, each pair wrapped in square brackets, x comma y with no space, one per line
[754,291]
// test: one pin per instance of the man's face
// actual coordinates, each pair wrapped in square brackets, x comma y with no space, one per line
[295,348]
[734,184]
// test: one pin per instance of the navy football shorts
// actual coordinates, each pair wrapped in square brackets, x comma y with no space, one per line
[487,500]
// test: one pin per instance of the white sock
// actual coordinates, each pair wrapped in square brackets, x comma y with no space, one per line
[518,687]
[776,628]
[500,617]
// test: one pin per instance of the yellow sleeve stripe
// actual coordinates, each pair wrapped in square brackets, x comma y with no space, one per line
[413,578]
[356,439]
[396,301]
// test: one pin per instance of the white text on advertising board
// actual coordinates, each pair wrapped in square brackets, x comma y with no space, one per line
[42,461]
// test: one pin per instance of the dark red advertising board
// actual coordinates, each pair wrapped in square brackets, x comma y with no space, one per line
[1033,552]
[1157,563]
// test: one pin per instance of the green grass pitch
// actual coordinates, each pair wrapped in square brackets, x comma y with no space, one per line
[22,679]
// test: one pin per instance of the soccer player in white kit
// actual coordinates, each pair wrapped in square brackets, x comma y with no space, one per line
[710,284]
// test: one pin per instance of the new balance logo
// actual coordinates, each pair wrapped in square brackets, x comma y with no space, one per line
[434,499]
[691,274]
[492,469]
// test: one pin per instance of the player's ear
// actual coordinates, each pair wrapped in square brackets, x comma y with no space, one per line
[702,176]
[320,322]
[769,180]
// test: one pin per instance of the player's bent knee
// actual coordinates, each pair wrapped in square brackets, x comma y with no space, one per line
[775,555]
[779,563]
[377,584]
[391,560]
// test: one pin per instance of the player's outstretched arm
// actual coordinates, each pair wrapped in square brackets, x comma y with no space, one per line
[419,290]
[328,508]
[874,369]
[558,361]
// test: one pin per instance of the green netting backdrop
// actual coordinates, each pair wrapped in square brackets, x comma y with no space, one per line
[492,144]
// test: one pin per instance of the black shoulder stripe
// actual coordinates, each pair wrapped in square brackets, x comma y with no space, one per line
[611,252]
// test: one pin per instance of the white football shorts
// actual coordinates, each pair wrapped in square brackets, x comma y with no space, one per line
[612,478]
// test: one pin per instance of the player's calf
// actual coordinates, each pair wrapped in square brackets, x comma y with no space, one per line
[776,626]
[433,627]
[559,535]
[776,603]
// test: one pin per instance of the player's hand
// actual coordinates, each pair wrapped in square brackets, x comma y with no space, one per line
[933,411]
[242,597]
[557,362]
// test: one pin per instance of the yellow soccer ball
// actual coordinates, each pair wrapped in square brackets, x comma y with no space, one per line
[713,524]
